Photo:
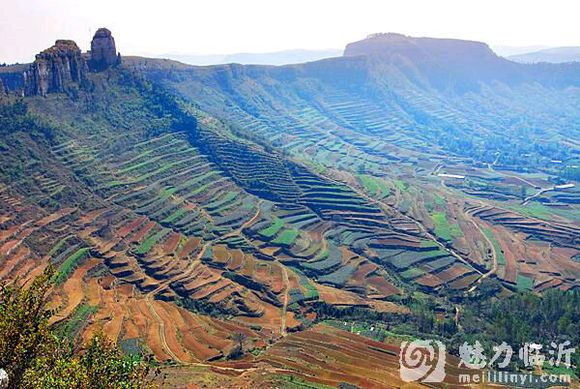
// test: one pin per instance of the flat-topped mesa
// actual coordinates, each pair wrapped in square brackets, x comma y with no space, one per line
[55,69]
[103,52]
[448,50]
[444,63]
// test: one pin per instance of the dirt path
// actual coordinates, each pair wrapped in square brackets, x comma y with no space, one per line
[149,296]
[538,193]
[283,331]
[535,186]
[494,266]
[252,220]
[186,273]
[457,317]
[161,324]
[188,270]
[386,207]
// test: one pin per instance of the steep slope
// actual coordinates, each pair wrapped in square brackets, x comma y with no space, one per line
[472,107]
[143,202]
[350,118]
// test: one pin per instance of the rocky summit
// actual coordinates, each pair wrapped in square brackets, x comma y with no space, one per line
[103,51]
[55,69]
[62,67]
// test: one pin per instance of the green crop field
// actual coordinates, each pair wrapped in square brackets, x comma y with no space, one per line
[496,246]
[69,264]
[443,229]
[273,229]
[286,237]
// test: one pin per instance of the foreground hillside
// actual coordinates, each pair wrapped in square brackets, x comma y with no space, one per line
[232,218]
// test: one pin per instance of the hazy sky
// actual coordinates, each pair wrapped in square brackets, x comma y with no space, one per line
[228,26]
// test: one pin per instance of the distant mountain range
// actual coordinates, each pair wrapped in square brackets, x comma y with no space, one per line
[521,54]
[551,55]
[506,51]
[285,57]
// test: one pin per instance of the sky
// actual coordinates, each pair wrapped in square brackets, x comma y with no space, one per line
[147,27]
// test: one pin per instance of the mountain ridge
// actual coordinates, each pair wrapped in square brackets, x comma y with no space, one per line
[549,55]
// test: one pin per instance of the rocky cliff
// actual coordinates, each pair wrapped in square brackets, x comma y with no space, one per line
[56,69]
[62,67]
[103,51]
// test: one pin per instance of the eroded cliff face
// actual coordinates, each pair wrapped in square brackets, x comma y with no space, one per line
[56,70]
[63,68]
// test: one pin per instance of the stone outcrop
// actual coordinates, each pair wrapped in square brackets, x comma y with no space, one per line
[103,51]
[56,69]
[62,67]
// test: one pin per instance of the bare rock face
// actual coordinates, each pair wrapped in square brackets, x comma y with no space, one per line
[62,67]
[103,51]
[56,69]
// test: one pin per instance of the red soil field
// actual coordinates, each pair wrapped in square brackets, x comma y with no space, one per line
[237,258]
[130,227]
[73,290]
[383,287]
[139,235]
[189,247]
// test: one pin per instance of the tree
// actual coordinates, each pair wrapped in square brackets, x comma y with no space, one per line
[24,332]
[34,357]
[238,350]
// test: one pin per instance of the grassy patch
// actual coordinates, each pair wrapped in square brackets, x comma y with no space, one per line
[401,185]
[287,237]
[535,210]
[443,229]
[524,283]
[148,243]
[375,187]
[72,327]
[428,243]
[289,381]
[69,264]
[175,215]
[496,246]
[273,228]
[58,246]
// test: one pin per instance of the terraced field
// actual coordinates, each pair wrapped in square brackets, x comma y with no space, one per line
[302,360]
[373,147]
